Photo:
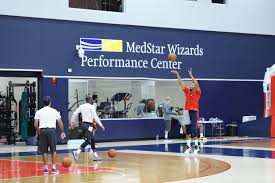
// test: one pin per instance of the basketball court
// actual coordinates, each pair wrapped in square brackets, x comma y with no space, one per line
[151,75]
[148,161]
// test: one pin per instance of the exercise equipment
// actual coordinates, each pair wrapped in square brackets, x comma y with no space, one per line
[146,108]
[6,127]
[118,97]
[105,109]
[27,107]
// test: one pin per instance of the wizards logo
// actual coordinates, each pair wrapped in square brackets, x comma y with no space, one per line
[105,45]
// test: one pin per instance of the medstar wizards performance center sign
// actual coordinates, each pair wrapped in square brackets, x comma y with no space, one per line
[88,46]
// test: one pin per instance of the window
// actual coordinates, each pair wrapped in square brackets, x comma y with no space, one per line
[103,5]
[125,98]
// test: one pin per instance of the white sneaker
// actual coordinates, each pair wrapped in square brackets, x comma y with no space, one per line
[203,139]
[188,150]
[97,158]
[76,156]
[55,171]
[196,150]
[46,171]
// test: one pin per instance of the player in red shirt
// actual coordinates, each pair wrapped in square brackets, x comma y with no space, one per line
[192,105]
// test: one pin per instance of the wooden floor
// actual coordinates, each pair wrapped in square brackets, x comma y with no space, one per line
[125,167]
[255,144]
[145,163]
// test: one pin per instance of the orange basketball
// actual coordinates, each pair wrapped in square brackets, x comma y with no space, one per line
[112,153]
[172,57]
[66,162]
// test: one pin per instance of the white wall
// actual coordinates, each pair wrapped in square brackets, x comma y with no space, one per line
[241,16]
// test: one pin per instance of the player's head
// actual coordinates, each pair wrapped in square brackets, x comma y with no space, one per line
[47,101]
[168,99]
[192,86]
[88,99]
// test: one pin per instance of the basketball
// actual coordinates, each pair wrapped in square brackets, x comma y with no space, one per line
[112,153]
[66,162]
[172,57]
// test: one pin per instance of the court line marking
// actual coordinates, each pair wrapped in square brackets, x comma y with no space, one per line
[76,143]
[240,147]
[122,175]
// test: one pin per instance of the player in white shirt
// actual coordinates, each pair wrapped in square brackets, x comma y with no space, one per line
[88,113]
[45,125]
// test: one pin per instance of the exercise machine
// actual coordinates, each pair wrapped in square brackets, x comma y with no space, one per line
[118,97]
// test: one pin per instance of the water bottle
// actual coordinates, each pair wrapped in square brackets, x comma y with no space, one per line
[157,137]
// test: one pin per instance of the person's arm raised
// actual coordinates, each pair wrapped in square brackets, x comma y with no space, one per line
[194,80]
[183,86]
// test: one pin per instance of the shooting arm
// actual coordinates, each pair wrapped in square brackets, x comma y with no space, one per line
[183,86]
[194,79]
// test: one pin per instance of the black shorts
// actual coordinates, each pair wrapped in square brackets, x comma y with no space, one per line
[85,126]
[47,139]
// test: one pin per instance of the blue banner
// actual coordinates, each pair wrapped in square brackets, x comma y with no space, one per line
[130,51]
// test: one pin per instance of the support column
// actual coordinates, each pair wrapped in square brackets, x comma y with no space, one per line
[272,111]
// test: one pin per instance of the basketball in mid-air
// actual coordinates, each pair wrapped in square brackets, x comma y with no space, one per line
[172,57]
[112,153]
[66,162]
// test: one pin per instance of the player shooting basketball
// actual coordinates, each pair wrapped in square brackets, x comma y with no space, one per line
[192,105]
